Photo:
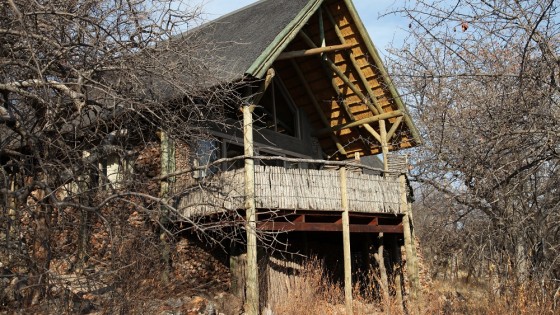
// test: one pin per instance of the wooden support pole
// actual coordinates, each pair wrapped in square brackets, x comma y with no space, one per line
[270,74]
[384,146]
[414,252]
[237,266]
[380,258]
[312,51]
[409,244]
[167,165]
[346,242]
[397,271]
[252,284]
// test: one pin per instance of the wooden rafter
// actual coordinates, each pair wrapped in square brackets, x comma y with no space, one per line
[359,122]
[345,79]
[366,126]
[311,96]
[313,51]
[343,105]
[341,75]
[354,63]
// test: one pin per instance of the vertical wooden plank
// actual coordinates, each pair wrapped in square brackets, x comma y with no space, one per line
[251,284]
[346,242]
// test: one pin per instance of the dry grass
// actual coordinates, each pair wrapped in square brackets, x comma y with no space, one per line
[311,292]
[457,297]
[317,294]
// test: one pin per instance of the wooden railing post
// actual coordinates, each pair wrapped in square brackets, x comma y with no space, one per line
[346,241]
[252,284]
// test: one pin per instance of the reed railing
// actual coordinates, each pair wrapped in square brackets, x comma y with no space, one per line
[295,189]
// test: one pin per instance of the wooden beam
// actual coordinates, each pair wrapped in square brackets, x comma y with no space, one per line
[328,227]
[358,122]
[394,127]
[318,108]
[270,73]
[367,127]
[340,74]
[345,79]
[378,108]
[312,52]
[387,80]
[322,28]
[345,107]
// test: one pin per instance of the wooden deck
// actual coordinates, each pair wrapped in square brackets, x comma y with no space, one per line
[292,189]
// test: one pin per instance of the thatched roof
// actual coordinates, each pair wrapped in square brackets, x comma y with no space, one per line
[344,96]
[238,40]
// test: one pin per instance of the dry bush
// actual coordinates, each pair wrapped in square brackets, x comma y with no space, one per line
[311,292]
[458,297]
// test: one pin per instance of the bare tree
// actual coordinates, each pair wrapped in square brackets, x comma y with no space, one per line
[84,83]
[483,80]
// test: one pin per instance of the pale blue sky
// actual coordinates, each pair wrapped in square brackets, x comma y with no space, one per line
[382,31]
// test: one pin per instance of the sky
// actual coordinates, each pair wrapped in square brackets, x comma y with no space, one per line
[382,30]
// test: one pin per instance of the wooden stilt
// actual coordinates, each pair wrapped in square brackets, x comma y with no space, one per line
[396,271]
[251,284]
[409,244]
[382,270]
[237,266]
[346,243]
[167,156]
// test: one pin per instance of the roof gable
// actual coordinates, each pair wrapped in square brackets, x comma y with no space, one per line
[345,91]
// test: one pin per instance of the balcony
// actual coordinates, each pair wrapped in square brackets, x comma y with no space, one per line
[302,189]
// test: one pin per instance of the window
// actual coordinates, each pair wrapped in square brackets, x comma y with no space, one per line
[233,150]
[277,111]
[207,151]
